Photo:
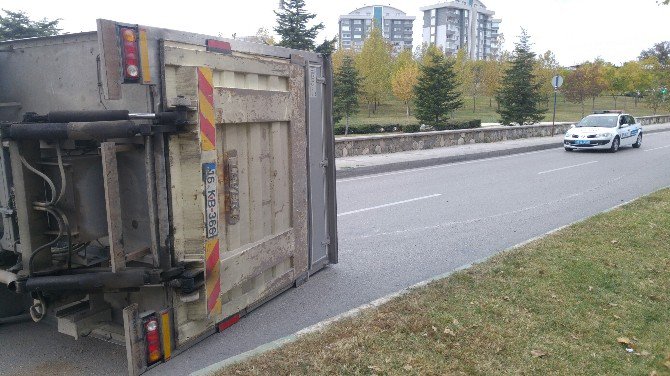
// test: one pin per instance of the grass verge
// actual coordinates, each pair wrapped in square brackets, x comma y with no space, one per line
[591,299]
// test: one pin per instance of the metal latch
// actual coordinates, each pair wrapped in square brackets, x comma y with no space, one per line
[321,80]
[324,163]
[326,242]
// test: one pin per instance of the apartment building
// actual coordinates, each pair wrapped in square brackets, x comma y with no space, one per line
[396,27]
[460,24]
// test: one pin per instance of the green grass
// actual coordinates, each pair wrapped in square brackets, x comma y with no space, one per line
[393,111]
[558,306]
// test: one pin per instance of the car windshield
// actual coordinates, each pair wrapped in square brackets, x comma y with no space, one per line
[599,121]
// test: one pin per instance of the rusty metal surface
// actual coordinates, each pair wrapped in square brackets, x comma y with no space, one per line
[299,164]
[251,106]
[110,173]
[111,58]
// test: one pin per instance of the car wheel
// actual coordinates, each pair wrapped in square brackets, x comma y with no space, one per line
[615,145]
[568,149]
[638,143]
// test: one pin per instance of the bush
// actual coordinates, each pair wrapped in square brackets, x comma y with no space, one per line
[368,129]
[456,125]
[411,128]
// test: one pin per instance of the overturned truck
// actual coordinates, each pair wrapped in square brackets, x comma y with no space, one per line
[156,185]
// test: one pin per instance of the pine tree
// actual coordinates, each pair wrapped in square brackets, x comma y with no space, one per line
[292,20]
[327,48]
[519,96]
[435,94]
[346,89]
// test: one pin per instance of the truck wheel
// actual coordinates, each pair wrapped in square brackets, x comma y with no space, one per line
[11,304]
[638,143]
[615,145]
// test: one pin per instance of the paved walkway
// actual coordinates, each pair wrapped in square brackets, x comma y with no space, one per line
[380,163]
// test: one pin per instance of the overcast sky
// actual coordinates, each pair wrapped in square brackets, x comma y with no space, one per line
[575,30]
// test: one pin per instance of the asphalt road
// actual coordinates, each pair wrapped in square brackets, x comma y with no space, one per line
[395,230]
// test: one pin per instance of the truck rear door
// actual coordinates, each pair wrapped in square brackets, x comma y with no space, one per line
[238,176]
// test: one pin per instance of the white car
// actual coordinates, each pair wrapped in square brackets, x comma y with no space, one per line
[607,130]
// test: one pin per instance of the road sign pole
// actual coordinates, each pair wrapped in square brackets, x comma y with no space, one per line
[553,122]
[556,82]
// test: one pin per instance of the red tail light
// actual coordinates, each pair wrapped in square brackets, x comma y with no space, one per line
[131,55]
[152,337]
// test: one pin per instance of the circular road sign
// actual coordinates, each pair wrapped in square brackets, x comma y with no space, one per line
[557,81]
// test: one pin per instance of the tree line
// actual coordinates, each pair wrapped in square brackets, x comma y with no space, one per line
[433,84]
[519,81]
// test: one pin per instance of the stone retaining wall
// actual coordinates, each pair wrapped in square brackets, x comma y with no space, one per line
[394,143]
[658,119]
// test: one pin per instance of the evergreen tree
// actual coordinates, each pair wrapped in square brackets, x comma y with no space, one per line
[17,25]
[327,48]
[520,95]
[435,94]
[346,89]
[292,20]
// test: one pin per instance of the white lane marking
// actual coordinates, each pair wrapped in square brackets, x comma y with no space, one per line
[440,166]
[387,205]
[474,220]
[566,167]
[445,225]
[662,147]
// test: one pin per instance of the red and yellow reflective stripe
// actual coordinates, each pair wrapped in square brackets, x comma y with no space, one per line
[212,277]
[208,158]
[206,109]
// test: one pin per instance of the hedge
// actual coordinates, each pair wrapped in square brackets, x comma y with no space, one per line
[410,128]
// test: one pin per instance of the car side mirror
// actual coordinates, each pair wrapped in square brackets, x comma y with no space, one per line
[573,126]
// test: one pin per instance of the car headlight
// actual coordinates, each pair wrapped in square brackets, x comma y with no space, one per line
[606,135]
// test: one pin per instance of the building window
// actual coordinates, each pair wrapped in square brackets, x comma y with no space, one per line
[346,36]
[357,22]
[345,28]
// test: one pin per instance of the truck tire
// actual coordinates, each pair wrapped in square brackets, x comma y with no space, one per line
[11,304]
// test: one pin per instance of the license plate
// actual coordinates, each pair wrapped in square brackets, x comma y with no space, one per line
[583,142]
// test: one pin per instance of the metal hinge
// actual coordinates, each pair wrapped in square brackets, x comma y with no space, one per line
[324,163]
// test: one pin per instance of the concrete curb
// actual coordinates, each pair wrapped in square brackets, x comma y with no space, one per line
[214,368]
[420,163]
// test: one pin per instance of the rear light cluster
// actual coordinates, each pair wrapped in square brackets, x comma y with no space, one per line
[153,341]
[130,53]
